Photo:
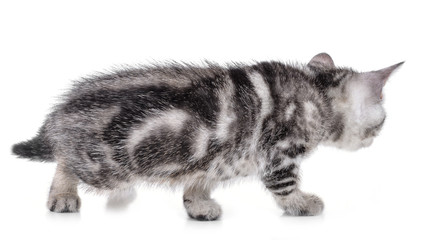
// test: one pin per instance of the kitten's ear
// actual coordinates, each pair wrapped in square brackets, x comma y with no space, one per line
[322,60]
[377,79]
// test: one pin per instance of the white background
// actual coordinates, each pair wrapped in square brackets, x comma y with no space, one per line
[374,193]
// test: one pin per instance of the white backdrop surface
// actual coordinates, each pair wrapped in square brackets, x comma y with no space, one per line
[374,193]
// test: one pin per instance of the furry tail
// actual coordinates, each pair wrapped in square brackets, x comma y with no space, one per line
[36,149]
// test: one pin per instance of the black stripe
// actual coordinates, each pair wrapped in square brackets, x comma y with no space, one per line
[95,155]
[281,185]
[269,73]
[325,78]
[284,171]
[246,103]
[337,127]
[285,193]
[279,175]
[273,133]
[295,150]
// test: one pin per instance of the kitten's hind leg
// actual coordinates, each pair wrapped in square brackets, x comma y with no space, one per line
[63,196]
[283,183]
[199,204]
[121,198]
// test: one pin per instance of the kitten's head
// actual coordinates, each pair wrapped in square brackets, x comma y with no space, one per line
[357,101]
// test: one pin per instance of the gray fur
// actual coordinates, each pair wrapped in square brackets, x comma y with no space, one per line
[199,126]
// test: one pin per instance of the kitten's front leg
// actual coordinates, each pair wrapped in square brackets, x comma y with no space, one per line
[283,183]
[199,204]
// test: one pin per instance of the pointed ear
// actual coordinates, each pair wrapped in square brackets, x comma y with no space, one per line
[322,60]
[385,73]
[377,79]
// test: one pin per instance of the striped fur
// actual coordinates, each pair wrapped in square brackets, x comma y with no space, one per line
[199,126]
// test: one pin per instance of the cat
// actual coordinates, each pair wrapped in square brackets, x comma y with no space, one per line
[192,126]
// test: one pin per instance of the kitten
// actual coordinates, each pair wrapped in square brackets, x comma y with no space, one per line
[198,126]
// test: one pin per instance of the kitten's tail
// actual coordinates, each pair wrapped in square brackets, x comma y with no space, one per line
[37,149]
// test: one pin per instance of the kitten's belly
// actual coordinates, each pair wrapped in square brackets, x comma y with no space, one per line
[224,169]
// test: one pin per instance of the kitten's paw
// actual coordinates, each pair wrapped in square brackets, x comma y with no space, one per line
[64,203]
[309,205]
[121,198]
[202,210]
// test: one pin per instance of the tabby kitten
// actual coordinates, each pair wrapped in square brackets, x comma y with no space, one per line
[199,126]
